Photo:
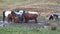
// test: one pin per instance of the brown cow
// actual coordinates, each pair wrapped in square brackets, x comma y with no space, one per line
[10,17]
[30,16]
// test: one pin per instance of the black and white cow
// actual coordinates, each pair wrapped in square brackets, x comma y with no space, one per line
[53,16]
[5,14]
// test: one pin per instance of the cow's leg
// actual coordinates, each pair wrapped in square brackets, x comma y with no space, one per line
[3,16]
[56,17]
[13,19]
[8,19]
[18,20]
[52,18]
[26,20]
[35,20]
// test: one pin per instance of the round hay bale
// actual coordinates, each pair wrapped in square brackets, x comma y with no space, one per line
[53,26]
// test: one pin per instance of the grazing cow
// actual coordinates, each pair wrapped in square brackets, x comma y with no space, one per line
[54,16]
[30,16]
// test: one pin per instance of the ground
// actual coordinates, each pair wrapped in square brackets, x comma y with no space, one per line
[30,27]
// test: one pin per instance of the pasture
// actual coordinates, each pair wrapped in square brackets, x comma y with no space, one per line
[43,7]
[27,30]
[30,28]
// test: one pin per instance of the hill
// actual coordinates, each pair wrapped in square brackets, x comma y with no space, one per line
[38,5]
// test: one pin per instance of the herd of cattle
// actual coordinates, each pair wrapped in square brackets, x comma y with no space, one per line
[21,15]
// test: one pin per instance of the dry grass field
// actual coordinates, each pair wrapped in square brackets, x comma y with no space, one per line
[45,6]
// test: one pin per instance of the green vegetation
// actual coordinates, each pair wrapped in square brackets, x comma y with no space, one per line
[27,30]
[1,17]
[42,18]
